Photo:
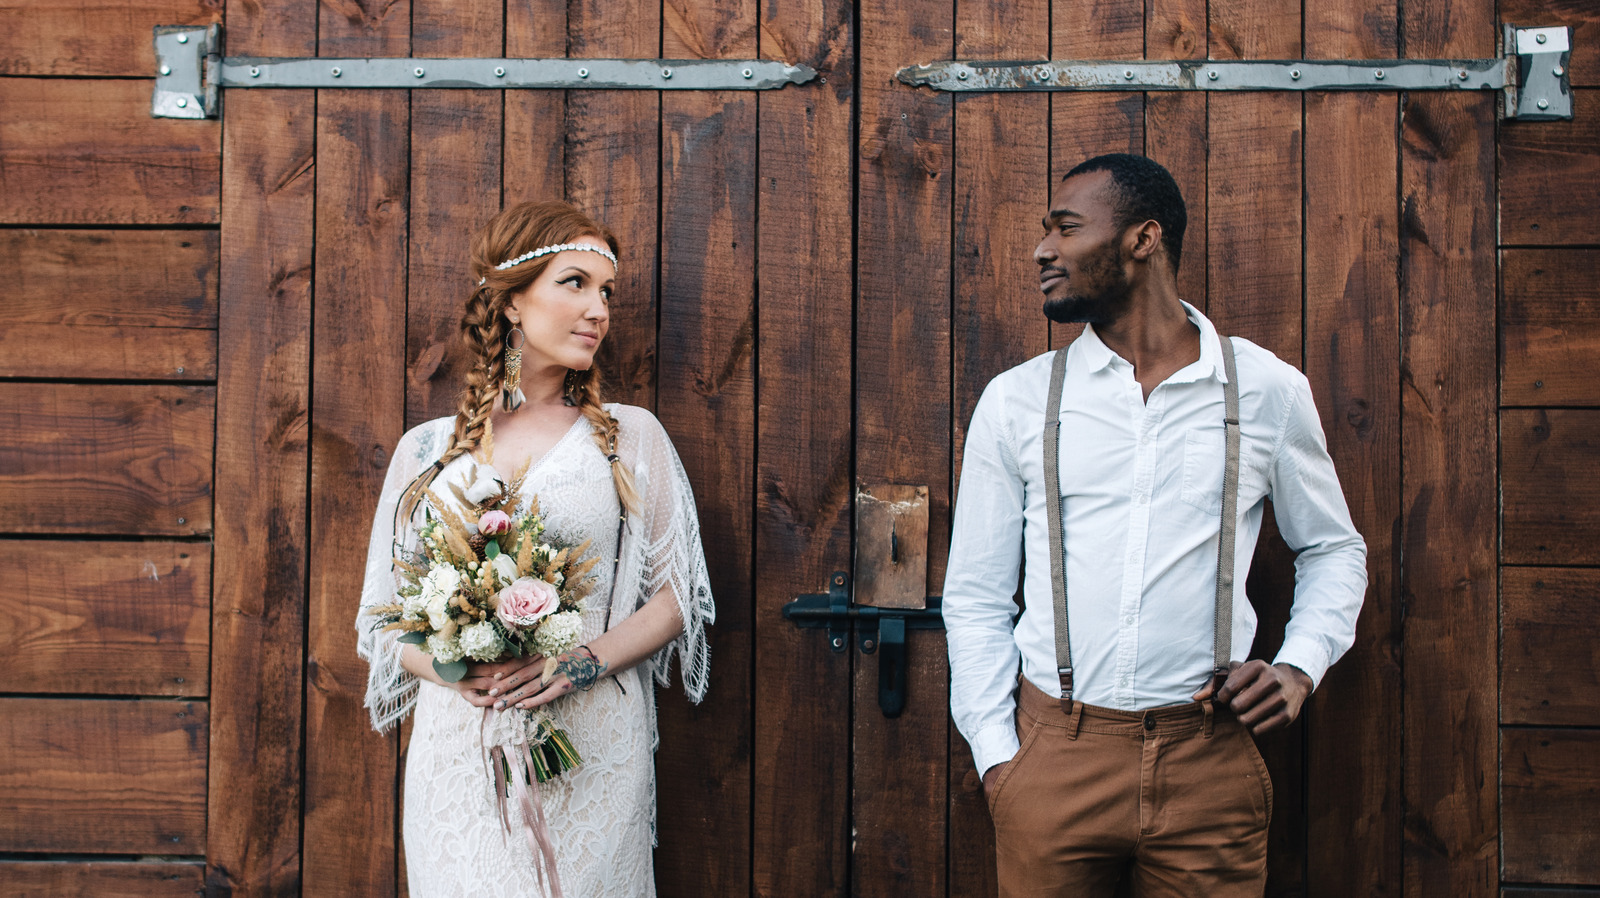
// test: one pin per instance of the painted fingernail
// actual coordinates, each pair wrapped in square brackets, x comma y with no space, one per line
[498,675]
[499,705]
[495,691]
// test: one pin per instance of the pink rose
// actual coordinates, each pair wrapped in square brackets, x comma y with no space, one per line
[525,602]
[494,523]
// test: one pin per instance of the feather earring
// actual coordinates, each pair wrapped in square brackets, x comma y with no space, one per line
[511,385]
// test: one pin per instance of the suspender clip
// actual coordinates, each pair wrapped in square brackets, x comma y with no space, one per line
[1066,683]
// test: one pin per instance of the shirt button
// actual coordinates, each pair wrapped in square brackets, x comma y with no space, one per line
[1143,499]
[1123,682]
[1128,620]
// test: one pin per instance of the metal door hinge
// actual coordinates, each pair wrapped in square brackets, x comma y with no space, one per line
[1531,74]
[190,69]
[878,630]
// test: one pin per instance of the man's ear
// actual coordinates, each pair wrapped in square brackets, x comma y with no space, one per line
[1146,239]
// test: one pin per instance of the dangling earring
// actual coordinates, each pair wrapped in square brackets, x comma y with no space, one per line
[569,393]
[511,386]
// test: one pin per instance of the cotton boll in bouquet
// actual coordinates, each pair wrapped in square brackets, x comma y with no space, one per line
[488,583]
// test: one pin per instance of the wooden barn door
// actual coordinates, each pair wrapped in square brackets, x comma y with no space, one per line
[817,282]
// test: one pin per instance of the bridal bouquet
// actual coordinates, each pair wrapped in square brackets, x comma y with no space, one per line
[489,584]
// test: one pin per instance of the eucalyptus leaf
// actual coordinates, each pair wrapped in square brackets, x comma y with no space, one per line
[452,672]
[491,549]
[412,637]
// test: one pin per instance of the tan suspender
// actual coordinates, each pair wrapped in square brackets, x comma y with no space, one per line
[1222,644]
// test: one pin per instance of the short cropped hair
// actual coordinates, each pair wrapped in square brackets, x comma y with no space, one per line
[1145,191]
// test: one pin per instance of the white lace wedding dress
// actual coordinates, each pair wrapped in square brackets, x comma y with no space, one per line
[601,816]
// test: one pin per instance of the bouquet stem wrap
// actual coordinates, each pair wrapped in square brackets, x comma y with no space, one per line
[520,767]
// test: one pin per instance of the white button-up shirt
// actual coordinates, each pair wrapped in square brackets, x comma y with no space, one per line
[1142,481]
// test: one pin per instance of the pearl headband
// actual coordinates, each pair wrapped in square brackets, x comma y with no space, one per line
[547,250]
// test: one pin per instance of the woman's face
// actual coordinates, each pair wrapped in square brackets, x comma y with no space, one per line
[565,312]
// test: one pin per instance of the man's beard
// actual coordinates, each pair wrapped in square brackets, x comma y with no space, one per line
[1103,296]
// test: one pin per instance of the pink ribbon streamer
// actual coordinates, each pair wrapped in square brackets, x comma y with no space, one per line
[525,783]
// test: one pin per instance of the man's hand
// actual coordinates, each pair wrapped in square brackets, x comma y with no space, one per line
[992,776]
[1265,697]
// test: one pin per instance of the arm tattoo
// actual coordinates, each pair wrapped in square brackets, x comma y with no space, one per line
[582,668]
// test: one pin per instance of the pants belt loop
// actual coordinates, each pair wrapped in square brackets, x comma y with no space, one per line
[1074,718]
[1209,708]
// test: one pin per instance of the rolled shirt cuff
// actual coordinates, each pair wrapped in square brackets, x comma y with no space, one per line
[993,745]
[1305,653]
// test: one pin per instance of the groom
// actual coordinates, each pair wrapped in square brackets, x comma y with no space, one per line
[1125,477]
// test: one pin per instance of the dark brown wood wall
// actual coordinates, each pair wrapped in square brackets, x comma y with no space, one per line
[213,333]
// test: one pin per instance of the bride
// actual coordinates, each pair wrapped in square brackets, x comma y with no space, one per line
[601,472]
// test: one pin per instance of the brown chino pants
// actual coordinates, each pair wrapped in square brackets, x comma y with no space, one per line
[1178,796]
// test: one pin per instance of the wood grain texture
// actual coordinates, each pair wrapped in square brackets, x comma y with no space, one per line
[1549,647]
[1175,126]
[1448,527]
[1581,15]
[79,458]
[612,173]
[357,416]
[111,304]
[90,776]
[255,797]
[142,610]
[1549,327]
[800,838]
[107,879]
[1001,189]
[107,38]
[903,428]
[707,401]
[534,156]
[1550,794]
[1550,177]
[87,152]
[1254,209]
[1352,358]
[1550,501]
[455,189]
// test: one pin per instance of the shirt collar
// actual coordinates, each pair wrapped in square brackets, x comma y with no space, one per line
[1096,355]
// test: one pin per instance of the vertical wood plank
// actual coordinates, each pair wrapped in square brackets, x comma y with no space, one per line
[1448,535]
[358,413]
[800,806]
[1175,131]
[258,621]
[534,155]
[1001,187]
[455,189]
[1254,210]
[903,289]
[1352,357]
[707,401]
[613,173]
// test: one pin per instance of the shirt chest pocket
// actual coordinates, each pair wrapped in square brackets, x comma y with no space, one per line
[1202,470]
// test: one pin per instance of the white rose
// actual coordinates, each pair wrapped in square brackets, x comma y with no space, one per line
[505,567]
[413,606]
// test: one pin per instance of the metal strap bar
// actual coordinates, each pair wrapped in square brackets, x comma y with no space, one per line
[190,69]
[1532,74]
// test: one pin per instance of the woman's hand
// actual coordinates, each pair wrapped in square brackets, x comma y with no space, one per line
[482,682]
[580,668]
